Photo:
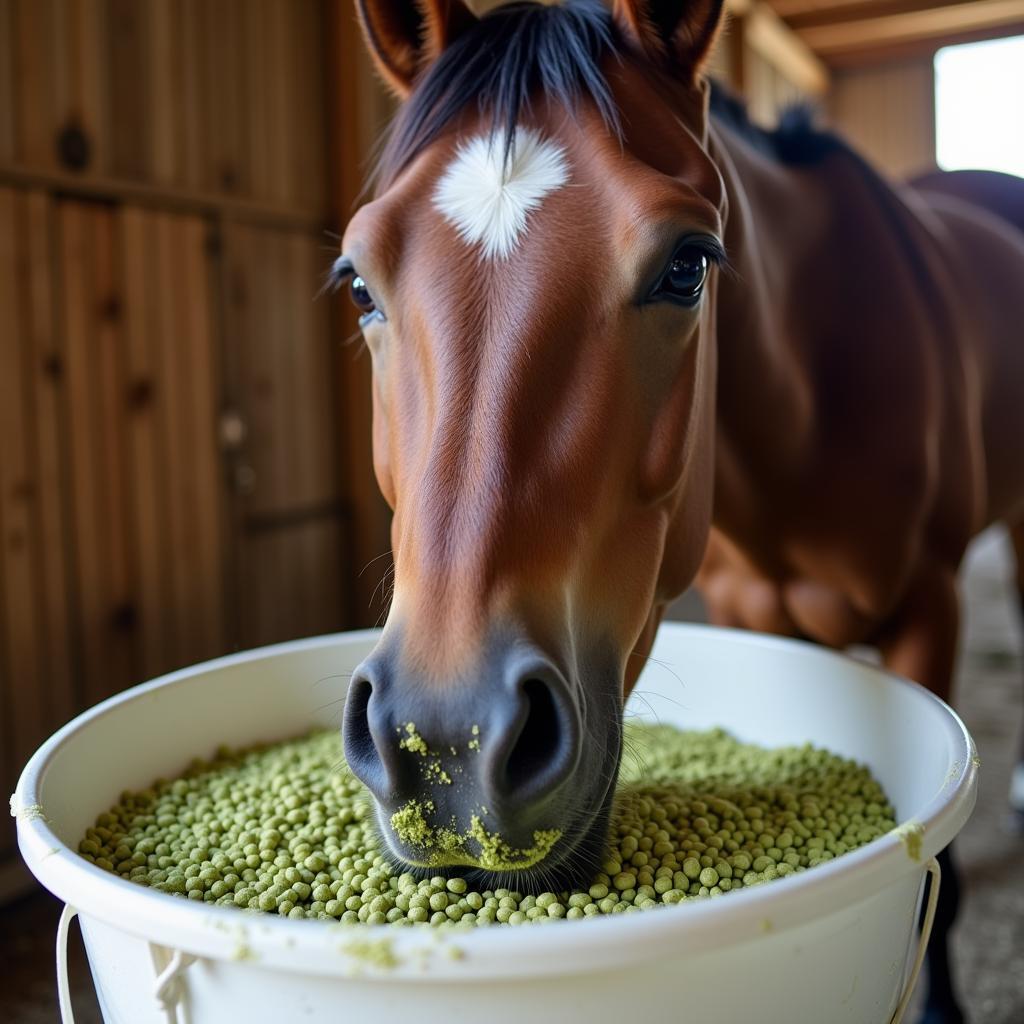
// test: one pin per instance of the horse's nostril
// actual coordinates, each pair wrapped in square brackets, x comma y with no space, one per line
[360,749]
[538,738]
[540,754]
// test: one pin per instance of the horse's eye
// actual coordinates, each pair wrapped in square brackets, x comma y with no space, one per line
[361,295]
[685,277]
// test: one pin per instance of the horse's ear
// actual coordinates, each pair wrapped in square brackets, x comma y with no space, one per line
[680,31]
[405,36]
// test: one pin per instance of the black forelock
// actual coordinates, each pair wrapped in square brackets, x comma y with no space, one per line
[497,65]
[524,49]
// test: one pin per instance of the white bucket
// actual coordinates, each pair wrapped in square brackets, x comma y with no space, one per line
[834,944]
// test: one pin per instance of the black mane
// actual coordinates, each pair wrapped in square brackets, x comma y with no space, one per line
[796,140]
[524,49]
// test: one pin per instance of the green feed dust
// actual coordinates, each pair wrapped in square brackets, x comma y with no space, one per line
[287,829]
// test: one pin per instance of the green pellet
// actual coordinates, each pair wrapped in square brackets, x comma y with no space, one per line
[283,829]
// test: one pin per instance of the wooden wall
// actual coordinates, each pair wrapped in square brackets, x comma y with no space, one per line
[360,111]
[172,480]
[217,97]
[888,112]
[762,61]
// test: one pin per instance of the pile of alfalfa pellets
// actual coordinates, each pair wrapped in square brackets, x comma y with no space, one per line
[287,829]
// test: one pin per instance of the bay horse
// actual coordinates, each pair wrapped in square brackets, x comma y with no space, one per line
[622,340]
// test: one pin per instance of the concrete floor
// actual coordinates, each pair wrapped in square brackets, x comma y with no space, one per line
[989,939]
[990,695]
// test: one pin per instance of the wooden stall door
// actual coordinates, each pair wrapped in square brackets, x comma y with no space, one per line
[37,677]
[145,492]
[112,562]
[281,431]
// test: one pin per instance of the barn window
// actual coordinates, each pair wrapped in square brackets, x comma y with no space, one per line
[978,89]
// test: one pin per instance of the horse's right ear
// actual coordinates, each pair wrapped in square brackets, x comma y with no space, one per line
[405,36]
[681,32]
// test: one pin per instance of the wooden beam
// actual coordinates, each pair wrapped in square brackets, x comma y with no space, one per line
[766,34]
[166,197]
[831,12]
[914,49]
[933,24]
[801,13]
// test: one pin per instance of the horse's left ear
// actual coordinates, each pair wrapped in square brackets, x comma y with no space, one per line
[679,31]
[405,36]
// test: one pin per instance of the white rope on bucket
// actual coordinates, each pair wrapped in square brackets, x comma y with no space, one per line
[932,867]
[169,990]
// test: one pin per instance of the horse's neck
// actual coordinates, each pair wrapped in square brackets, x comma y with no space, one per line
[765,393]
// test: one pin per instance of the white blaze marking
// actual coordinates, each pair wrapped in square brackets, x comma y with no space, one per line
[488,200]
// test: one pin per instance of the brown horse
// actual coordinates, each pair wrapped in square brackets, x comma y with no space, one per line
[622,340]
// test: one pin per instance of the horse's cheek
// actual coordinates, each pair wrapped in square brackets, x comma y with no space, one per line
[382,462]
[678,470]
[675,434]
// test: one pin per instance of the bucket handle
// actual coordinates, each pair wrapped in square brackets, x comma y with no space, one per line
[932,867]
[166,989]
[67,1015]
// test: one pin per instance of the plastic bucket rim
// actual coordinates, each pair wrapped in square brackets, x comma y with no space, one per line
[220,932]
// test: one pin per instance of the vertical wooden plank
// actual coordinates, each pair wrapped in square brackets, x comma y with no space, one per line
[86,46]
[7,765]
[8,126]
[131,112]
[95,424]
[164,121]
[76,244]
[263,394]
[234,328]
[215,127]
[305,89]
[192,97]
[37,76]
[234,172]
[291,407]
[279,103]
[256,89]
[46,361]
[224,99]
[199,365]
[145,397]
[290,567]
[353,131]
[177,441]
[312,548]
[300,349]
[249,329]
[25,698]
[329,585]
[120,668]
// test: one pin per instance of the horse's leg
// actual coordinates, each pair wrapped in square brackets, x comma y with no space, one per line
[1017,783]
[920,641]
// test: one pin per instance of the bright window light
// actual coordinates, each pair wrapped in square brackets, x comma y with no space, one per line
[978,106]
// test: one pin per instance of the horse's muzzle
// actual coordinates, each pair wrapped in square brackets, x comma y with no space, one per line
[470,772]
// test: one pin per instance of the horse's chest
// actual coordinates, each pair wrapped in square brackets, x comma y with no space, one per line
[738,593]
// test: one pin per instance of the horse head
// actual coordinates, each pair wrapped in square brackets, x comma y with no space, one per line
[536,277]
